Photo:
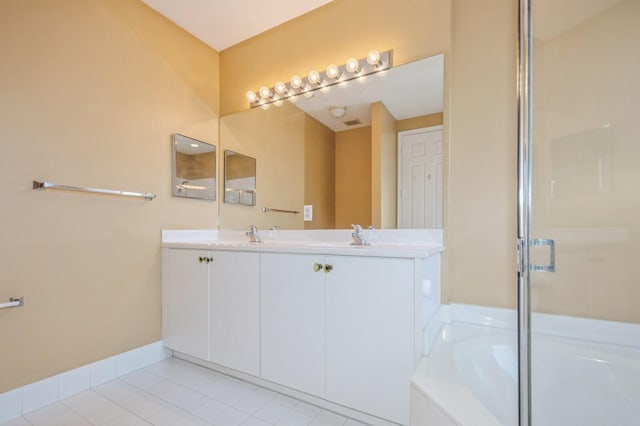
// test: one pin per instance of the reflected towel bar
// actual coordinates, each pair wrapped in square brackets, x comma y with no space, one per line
[13,302]
[267,209]
[44,185]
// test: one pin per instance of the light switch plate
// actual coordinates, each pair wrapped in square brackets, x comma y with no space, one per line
[308,213]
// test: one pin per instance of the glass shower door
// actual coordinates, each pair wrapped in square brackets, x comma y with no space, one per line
[583,169]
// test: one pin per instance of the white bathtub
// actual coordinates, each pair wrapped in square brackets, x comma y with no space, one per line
[470,374]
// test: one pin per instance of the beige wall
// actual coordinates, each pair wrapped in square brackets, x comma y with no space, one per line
[319,173]
[430,120]
[384,167]
[353,177]
[480,225]
[586,115]
[92,92]
[275,138]
[414,29]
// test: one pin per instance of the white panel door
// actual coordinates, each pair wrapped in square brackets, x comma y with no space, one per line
[370,335]
[234,280]
[188,302]
[293,321]
[420,174]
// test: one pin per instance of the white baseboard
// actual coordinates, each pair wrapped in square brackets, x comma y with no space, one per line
[31,397]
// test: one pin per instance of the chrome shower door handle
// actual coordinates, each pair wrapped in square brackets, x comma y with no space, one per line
[539,242]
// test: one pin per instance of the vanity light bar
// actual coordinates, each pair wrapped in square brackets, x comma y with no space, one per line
[352,69]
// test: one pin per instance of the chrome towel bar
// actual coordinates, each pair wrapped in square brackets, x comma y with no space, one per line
[44,185]
[267,209]
[13,302]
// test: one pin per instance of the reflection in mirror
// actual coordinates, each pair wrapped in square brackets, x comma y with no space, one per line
[338,152]
[194,168]
[239,179]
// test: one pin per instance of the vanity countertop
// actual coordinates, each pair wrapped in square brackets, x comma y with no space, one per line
[307,242]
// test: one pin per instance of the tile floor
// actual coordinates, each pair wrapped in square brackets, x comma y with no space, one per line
[175,392]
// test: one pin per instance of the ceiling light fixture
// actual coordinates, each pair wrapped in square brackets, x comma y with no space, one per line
[374,62]
[337,111]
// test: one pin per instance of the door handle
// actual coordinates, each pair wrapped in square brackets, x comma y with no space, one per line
[538,242]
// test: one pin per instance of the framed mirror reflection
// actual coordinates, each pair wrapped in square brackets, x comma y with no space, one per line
[194,168]
[239,178]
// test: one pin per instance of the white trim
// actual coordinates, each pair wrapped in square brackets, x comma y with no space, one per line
[28,398]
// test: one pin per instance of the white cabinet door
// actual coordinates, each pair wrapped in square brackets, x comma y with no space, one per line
[235,310]
[293,321]
[187,302]
[370,333]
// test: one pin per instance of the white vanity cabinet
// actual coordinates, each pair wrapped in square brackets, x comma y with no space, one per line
[293,321]
[371,334]
[342,328]
[185,302]
[342,325]
[234,317]
[212,305]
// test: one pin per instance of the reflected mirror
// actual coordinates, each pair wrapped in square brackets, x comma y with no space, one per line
[194,168]
[338,153]
[239,179]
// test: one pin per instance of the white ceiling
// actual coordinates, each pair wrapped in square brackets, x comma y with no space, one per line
[223,23]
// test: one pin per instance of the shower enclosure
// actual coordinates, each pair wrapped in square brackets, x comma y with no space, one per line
[579,211]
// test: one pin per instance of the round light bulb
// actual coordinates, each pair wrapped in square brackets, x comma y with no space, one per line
[352,65]
[280,87]
[265,92]
[333,71]
[314,77]
[373,57]
[278,102]
[296,82]
[292,96]
[264,105]
[251,96]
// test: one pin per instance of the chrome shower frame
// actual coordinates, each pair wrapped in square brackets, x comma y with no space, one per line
[524,77]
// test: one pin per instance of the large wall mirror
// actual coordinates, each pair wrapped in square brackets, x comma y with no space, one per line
[194,168]
[338,152]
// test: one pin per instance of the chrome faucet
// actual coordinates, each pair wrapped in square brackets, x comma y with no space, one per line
[252,233]
[358,236]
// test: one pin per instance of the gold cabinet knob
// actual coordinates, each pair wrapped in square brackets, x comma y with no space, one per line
[200,259]
[328,268]
[317,267]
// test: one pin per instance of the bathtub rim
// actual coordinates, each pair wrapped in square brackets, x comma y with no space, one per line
[579,328]
[582,329]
